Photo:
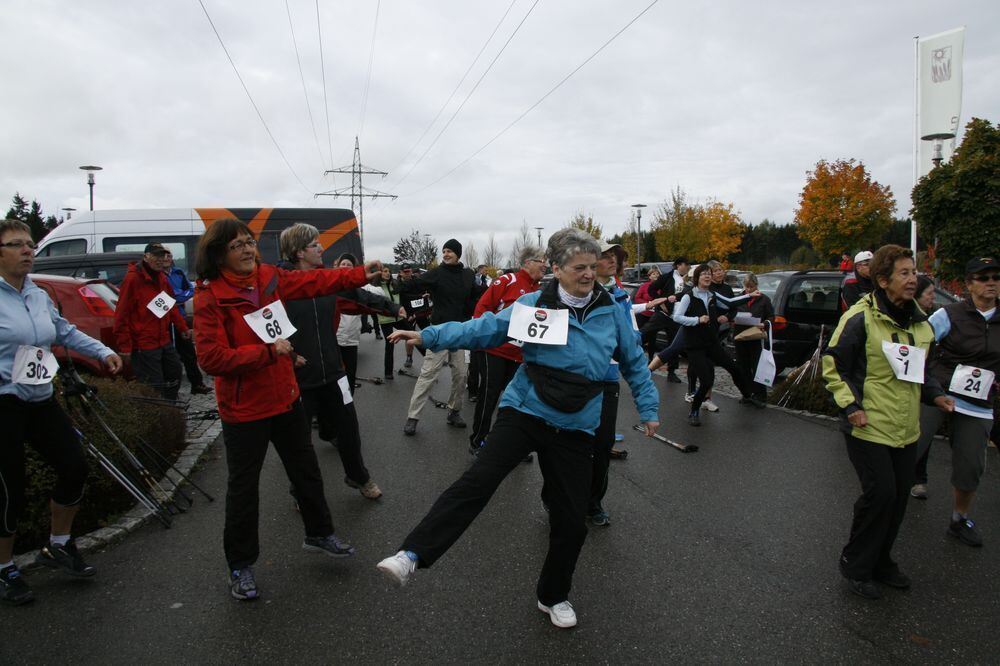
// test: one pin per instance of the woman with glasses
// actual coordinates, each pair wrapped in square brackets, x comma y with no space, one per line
[241,331]
[29,326]
[966,362]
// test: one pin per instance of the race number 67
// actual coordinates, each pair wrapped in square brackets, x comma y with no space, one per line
[537,330]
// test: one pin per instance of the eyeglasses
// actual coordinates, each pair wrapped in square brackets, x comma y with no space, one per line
[17,245]
[236,246]
[315,245]
[993,277]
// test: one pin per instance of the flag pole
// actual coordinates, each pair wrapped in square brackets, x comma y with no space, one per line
[916,136]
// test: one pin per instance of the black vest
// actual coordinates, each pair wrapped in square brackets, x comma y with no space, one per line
[971,341]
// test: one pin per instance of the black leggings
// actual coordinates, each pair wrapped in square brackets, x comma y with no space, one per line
[496,372]
[337,420]
[45,425]
[349,355]
[701,364]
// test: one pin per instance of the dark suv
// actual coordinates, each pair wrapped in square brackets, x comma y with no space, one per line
[807,303]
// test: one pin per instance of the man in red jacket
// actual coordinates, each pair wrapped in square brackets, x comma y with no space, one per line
[146,309]
[499,365]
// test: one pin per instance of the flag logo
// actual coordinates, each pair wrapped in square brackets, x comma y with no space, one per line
[941,65]
[541,315]
[266,314]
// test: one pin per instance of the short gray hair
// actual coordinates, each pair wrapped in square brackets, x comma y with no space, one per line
[713,264]
[751,278]
[13,224]
[529,252]
[569,242]
[295,239]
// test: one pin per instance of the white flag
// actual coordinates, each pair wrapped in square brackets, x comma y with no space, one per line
[940,107]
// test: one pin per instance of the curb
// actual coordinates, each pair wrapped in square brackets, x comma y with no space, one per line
[201,439]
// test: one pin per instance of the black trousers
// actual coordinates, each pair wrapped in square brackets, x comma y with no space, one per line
[747,357]
[604,439]
[47,428]
[388,360]
[160,368]
[564,457]
[246,447]
[185,349]
[659,321]
[886,474]
[472,373]
[337,420]
[701,365]
[493,379]
[349,355]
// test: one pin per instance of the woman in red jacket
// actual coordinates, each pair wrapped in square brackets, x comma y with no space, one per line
[241,332]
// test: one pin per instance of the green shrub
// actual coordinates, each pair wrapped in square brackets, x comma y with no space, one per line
[162,427]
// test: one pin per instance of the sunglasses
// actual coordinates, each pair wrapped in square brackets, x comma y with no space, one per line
[992,277]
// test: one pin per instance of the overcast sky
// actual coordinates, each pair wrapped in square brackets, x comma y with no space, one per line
[728,100]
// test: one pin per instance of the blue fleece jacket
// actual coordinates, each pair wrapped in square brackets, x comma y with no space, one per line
[28,317]
[606,332]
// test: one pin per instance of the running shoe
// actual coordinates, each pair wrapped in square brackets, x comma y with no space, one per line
[13,589]
[694,418]
[410,429]
[330,545]
[368,489]
[965,531]
[673,378]
[710,406]
[864,588]
[561,614]
[409,362]
[919,491]
[600,518]
[455,419]
[398,568]
[66,557]
[242,584]
[689,397]
[894,578]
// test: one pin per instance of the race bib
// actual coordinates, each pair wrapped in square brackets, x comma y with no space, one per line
[161,304]
[538,325]
[907,361]
[270,322]
[345,389]
[971,381]
[635,322]
[416,304]
[33,366]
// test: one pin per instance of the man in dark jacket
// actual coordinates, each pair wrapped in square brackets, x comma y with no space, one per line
[143,318]
[184,292]
[858,283]
[452,287]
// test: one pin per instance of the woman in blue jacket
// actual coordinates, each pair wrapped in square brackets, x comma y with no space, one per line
[29,326]
[570,329]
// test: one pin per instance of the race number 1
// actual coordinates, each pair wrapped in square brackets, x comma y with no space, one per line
[271,322]
[906,361]
[161,304]
[33,366]
[538,325]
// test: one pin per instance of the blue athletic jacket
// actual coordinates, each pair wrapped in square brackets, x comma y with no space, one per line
[622,299]
[606,331]
[28,317]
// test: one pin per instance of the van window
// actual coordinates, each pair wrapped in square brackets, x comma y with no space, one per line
[176,244]
[816,293]
[62,248]
[768,285]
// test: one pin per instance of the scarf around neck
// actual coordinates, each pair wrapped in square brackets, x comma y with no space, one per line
[248,281]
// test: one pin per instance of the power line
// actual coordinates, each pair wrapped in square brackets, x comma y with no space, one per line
[302,78]
[250,97]
[322,69]
[536,104]
[371,62]
[468,96]
[453,92]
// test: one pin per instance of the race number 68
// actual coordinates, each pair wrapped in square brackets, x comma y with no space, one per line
[273,329]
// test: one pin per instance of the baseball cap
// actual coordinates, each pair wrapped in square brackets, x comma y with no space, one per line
[405,267]
[981,264]
[605,246]
[864,255]
[155,248]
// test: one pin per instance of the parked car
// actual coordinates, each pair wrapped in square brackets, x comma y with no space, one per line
[806,305]
[110,266]
[735,279]
[89,304]
[639,273]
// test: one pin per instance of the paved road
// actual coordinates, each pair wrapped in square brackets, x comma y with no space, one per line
[728,554]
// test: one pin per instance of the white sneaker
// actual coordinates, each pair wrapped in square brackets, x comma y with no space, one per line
[398,568]
[562,614]
[710,406]
[689,397]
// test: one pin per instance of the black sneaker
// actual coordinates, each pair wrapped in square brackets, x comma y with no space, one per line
[864,588]
[694,419]
[66,558]
[965,531]
[389,377]
[13,589]
[201,389]
[410,428]
[673,378]
[455,419]
[242,584]
[475,448]
[894,578]
[329,545]
[409,362]
[753,400]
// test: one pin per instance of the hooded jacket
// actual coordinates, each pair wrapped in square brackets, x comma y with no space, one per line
[136,327]
[859,376]
[605,332]
[252,382]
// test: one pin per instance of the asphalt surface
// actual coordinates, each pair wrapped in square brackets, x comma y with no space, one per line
[724,555]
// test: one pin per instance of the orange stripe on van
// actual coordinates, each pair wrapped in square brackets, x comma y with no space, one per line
[333,234]
[259,220]
[210,215]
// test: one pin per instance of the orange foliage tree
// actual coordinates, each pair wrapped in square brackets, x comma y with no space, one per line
[699,231]
[841,209]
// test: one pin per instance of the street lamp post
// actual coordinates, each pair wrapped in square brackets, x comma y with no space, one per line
[638,233]
[90,169]
[539,230]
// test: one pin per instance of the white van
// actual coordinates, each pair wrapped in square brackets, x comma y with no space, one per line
[179,229]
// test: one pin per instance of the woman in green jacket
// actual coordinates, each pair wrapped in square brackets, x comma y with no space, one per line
[875,368]
[387,322]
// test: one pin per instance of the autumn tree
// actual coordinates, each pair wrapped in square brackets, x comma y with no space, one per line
[842,209]
[586,223]
[958,203]
[698,231]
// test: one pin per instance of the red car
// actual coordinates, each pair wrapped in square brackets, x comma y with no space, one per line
[89,305]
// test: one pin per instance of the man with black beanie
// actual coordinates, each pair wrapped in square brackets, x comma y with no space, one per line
[452,288]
